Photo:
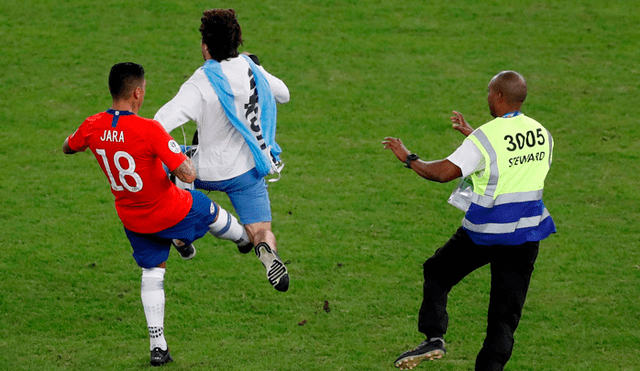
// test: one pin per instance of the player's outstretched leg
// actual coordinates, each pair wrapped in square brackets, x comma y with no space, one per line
[227,227]
[153,299]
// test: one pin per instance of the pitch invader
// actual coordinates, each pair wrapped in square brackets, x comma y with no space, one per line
[233,100]
[131,151]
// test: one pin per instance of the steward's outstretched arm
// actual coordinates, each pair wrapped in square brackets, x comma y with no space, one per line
[440,171]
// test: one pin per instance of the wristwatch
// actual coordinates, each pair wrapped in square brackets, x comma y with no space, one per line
[410,158]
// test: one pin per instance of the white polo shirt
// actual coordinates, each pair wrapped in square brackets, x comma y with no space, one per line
[468,158]
[222,151]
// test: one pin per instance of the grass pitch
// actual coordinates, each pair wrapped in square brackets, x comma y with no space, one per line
[354,224]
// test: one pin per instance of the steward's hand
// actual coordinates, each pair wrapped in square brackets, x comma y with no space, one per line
[460,124]
[397,147]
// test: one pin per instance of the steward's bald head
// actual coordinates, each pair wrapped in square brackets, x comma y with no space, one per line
[512,86]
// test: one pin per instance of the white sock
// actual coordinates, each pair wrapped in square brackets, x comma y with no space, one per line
[152,294]
[227,227]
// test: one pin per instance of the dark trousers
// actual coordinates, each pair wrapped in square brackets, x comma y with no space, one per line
[511,269]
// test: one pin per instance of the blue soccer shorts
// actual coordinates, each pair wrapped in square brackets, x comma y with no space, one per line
[248,195]
[150,250]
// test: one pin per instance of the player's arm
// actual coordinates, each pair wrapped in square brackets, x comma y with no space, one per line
[66,148]
[79,139]
[168,150]
[441,171]
[186,172]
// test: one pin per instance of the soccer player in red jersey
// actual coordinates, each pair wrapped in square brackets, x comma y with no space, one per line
[131,151]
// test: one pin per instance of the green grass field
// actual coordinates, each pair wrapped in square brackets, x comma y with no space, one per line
[353,223]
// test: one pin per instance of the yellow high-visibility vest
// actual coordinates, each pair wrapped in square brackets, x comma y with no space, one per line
[506,204]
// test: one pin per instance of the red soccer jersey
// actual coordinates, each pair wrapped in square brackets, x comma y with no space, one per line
[130,150]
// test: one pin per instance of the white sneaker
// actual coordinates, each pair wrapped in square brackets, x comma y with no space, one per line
[276,270]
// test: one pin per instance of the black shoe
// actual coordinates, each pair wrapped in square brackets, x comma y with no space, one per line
[186,251]
[159,357]
[427,350]
[276,270]
[245,249]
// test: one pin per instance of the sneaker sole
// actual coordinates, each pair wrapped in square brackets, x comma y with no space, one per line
[410,362]
[276,270]
[157,364]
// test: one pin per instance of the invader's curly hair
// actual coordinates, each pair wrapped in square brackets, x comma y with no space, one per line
[221,33]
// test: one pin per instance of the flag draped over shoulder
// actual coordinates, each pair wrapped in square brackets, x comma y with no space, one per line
[264,154]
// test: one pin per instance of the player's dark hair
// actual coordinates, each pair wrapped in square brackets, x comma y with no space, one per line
[124,78]
[221,33]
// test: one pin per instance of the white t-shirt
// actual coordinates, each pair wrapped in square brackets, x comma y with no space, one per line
[468,158]
[222,151]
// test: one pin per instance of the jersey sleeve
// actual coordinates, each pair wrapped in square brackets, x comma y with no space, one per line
[79,140]
[468,158]
[184,107]
[165,147]
[279,89]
